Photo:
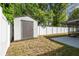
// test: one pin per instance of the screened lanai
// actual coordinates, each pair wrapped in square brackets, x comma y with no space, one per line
[73,27]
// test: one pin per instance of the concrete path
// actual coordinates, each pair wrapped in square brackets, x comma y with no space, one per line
[71,41]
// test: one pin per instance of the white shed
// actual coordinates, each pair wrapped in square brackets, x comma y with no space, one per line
[24,28]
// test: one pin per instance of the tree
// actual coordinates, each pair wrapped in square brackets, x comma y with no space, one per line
[60,14]
[43,13]
[8,10]
[75,14]
[37,11]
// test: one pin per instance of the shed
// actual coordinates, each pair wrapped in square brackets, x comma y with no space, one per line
[25,28]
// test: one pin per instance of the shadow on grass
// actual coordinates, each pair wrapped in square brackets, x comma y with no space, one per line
[63,51]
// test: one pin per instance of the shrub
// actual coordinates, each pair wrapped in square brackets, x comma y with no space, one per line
[8,10]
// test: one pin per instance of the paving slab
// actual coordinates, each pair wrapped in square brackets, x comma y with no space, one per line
[71,41]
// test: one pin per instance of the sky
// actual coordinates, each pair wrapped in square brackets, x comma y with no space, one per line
[72,7]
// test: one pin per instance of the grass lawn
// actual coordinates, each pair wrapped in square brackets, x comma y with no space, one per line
[40,46]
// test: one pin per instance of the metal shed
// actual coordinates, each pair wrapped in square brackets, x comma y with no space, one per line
[24,28]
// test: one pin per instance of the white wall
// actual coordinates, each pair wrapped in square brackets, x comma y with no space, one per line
[51,30]
[4,34]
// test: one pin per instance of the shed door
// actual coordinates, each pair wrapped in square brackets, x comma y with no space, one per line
[26,29]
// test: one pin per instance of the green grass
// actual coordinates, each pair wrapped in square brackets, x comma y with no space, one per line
[56,35]
[41,46]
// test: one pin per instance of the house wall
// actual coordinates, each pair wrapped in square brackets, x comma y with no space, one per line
[4,34]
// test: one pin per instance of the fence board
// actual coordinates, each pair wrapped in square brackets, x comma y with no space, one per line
[4,34]
[51,30]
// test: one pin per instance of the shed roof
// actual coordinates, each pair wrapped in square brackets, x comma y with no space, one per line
[27,18]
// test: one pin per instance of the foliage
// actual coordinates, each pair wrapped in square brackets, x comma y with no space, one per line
[40,12]
[75,14]
[37,11]
[59,10]
[8,10]
[43,13]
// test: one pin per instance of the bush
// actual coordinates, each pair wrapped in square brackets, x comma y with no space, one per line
[8,10]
